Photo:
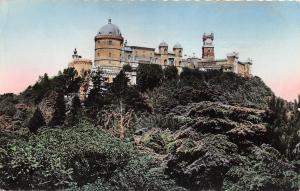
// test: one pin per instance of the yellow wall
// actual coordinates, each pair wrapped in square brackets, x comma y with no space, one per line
[81,65]
[108,52]
[178,56]
[144,53]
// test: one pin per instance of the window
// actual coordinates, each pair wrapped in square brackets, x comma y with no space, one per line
[166,50]
[180,52]
[109,42]
[109,54]
[98,54]
[165,61]
[129,57]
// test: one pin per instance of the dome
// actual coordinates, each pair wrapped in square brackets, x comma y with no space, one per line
[177,45]
[110,29]
[163,43]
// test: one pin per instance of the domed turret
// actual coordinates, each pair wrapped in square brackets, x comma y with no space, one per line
[177,46]
[163,44]
[108,45]
[110,29]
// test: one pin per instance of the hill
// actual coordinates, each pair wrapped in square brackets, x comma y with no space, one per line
[197,131]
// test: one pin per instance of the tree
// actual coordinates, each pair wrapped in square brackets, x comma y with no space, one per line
[119,86]
[127,68]
[67,81]
[170,72]
[60,110]
[119,89]
[135,101]
[39,90]
[95,100]
[36,121]
[148,76]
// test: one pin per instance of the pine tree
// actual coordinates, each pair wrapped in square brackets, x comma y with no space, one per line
[60,110]
[119,86]
[95,100]
[74,111]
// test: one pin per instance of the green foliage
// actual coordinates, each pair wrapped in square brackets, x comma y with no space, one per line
[170,72]
[36,121]
[119,85]
[197,86]
[263,169]
[283,131]
[7,104]
[128,95]
[65,82]
[95,100]
[136,101]
[56,157]
[75,112]
[140,174]
[148,76]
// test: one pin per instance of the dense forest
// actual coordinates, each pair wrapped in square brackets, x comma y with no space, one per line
[194,131]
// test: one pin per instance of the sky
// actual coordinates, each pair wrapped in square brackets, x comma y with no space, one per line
[39,36]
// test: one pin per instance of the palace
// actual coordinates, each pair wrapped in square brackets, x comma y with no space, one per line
[112,52]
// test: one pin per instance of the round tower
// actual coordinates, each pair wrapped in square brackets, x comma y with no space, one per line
[163,51]
[163,48]
[108,45]
[177,50]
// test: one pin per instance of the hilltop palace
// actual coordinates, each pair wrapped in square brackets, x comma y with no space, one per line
[112,53]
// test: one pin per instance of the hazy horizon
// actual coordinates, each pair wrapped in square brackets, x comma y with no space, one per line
[38,37]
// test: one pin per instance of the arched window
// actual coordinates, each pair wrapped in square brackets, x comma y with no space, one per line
[109,42]
[165,61]
[129,57]
[109,54]
[166,50]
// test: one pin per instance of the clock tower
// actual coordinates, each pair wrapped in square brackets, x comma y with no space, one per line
[208,52]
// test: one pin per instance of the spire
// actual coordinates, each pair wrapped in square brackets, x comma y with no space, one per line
[109,21]
[74,54]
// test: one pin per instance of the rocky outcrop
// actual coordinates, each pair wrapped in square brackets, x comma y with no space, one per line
[52,108]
